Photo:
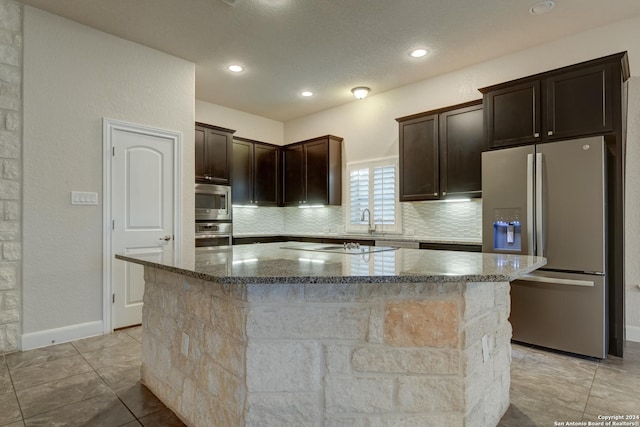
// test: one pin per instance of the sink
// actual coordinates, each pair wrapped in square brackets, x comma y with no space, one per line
[339,249]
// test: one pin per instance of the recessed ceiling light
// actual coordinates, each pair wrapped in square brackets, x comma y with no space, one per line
[306,93]
[236,68]
[418,53]
[542,7]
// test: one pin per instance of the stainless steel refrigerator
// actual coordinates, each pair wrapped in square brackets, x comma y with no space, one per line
[549,200]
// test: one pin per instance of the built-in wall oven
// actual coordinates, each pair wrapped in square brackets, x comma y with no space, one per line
[213,215]
[213,234]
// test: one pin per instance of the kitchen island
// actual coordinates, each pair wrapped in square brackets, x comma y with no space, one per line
[304,334]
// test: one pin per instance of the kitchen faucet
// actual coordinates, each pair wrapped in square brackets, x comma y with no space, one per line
[371,228]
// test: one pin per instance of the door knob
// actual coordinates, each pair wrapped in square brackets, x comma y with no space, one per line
[166,238]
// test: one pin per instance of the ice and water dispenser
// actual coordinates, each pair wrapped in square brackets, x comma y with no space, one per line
[507,230]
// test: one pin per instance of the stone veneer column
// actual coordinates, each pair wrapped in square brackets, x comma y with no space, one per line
[327,355]
[10,173]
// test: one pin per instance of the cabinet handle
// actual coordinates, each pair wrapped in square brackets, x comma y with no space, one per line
[550,133]
[444,193]
[435,194]
[536,135]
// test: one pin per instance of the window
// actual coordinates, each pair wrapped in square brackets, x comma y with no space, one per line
[373,186]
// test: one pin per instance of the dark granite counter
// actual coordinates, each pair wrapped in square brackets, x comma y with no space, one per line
[297,262]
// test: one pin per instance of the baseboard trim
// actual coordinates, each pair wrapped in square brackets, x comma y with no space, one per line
[633,333]
[59,335]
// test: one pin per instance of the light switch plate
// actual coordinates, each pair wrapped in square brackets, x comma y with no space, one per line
[86,198]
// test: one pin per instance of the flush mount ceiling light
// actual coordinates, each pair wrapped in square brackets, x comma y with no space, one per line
[306,93]
[360,92]
[542,7]
[418,53]
[235,68]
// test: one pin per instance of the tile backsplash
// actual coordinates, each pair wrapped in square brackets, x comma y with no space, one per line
[425,220]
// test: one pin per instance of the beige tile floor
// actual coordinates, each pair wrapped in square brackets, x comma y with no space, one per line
[96,382]
[548,387]
[89,382]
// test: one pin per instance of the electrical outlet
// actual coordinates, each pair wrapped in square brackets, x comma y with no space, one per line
[184,348]
[485,348]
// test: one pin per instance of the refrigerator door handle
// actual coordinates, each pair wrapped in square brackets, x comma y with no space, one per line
[539,207]
[573,282]
[530,204]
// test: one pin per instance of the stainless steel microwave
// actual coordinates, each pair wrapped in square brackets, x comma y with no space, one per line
[213,202]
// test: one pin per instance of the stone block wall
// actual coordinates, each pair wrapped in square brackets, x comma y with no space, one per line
[327,354]
[10,173]
[194,347]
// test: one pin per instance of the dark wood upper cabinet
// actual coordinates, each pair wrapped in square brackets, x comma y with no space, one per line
[461,146]
[440,153]
[312,172]
[293,175]
[579,102]
[255,173]
[242,173]
[266,174]
[569,102]
[419,163]
[213,154]
[512,114]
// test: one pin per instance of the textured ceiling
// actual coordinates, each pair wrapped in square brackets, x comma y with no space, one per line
[329,46]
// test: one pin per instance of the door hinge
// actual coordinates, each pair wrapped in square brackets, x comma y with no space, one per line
[113,298]
[113,224]
[113,151]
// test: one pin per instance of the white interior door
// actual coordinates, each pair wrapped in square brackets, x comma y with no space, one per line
[143,200]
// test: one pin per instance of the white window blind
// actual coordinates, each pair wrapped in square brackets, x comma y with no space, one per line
[373,186]
[384,194]
[358,193]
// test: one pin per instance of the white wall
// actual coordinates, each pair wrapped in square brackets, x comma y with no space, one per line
[73,77]
[246,125]
[632,211]
[370,131]
[368,126]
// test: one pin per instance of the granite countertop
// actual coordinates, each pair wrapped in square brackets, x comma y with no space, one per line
[351,236]
[297,262]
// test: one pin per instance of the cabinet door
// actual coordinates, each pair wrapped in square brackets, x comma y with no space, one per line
[512,115]
[317,172]
[266,180]
[242,173]
[293,169]
[579,103]
[419,159]
[200,159]
[218,156]
[461,146]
